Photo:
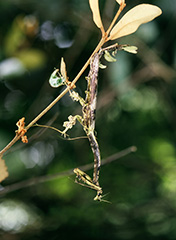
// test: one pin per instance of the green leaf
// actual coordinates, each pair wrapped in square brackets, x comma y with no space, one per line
[102,66]
[109,57]
[56,79]
[130,49]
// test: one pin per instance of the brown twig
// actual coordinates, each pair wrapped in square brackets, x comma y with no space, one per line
[115,18]
[103,40]
[42,179]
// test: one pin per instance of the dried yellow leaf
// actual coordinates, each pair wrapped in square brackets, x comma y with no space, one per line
[94,5]
[3,170]
[130,22]
[63,69]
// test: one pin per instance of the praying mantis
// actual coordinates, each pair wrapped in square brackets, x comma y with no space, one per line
[87,120]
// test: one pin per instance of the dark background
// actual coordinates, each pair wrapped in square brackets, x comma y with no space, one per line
[136,106]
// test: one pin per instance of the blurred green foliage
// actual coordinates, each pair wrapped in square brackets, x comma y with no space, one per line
[136,106]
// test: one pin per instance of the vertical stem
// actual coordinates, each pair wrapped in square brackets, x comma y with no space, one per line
[115,18]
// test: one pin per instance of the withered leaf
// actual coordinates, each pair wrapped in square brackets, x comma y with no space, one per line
[3,170]
[94,5]
[130,22]
[63,69]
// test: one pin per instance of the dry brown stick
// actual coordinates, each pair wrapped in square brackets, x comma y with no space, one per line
[42,179]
